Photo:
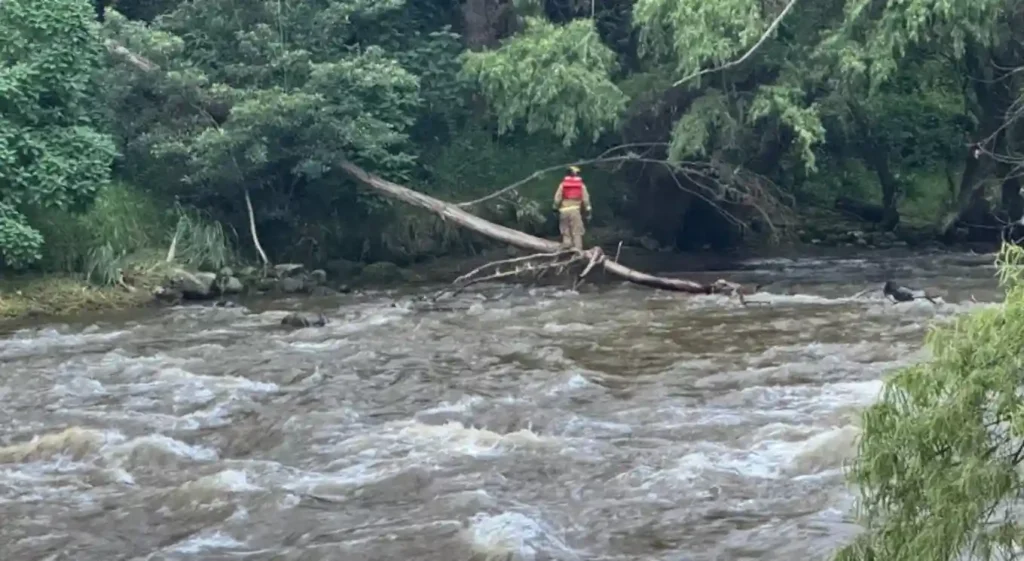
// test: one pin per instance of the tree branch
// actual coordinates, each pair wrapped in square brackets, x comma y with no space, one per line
[739,186]
[764,37]
[604,157]
[140,62]
[252,230]
[538,263]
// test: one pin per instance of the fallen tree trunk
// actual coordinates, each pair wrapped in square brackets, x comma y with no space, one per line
[448,211]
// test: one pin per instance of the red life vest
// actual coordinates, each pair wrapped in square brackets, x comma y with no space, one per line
[572,187]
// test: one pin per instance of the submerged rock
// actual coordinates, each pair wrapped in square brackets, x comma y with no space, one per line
[382,272]
[165,294]
[300,320]
[322,291]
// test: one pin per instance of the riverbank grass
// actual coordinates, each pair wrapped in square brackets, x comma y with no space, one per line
[60,295]
[112,256]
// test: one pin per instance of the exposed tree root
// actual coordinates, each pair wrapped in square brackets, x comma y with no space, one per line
[536,265]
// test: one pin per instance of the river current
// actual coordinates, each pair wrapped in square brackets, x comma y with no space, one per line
[613,423]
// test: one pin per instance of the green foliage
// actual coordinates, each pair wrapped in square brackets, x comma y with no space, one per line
[928,196]
[270,99]
[201,242]
[299,101]
[21,244]
[552,78]
[121,222]
[127,228]
[52,151]
[693,33]
[938,464]
[784,102]
[707,123]
[874,41]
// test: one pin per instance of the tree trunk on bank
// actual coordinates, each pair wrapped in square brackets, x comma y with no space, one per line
[1011,199]
[875,151]
[970,195]
[988,75]
[448,211]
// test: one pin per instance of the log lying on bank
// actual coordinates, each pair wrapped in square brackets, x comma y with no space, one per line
[448,211]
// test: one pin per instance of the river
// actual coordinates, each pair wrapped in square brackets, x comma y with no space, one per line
[530,424]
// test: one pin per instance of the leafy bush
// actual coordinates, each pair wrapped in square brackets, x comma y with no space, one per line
[939,462]
[53,153]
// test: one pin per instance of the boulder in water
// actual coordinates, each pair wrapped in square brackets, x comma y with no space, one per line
[300,320]
[292,285]
[231,285]
[322,291]
[318,277]
[265,284]
[288,270]
[191,286]
[248,273]
[382,272]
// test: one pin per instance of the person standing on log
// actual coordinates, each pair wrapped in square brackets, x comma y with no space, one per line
[570,196]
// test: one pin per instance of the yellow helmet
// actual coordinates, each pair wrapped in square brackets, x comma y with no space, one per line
[574,169]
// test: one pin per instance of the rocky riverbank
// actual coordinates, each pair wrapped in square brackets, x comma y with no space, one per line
[54,296]
[36,296]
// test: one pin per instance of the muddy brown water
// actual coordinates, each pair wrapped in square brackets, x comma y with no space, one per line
[535,424]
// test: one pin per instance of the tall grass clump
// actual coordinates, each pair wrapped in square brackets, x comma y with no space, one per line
[199,242]
[128,231]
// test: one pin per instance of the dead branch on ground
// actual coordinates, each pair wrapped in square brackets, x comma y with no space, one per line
[536,264]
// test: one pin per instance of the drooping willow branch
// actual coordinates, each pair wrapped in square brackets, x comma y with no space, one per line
[764,37]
